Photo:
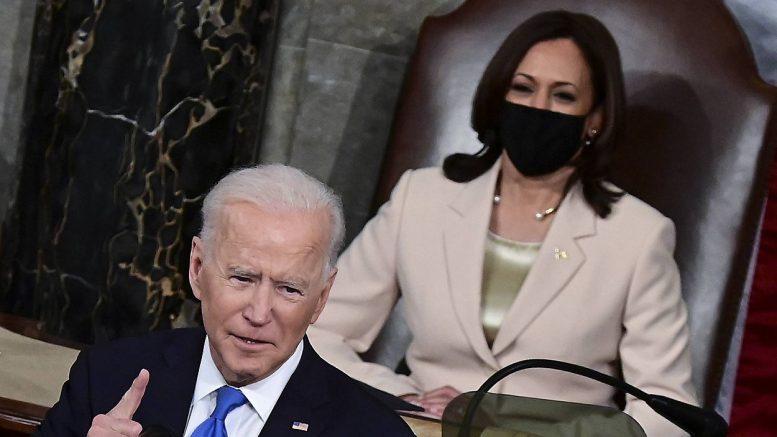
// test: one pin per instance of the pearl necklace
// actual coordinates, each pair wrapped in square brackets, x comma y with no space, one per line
[539,215]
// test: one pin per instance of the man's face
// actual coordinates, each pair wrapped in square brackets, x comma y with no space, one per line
[260,283]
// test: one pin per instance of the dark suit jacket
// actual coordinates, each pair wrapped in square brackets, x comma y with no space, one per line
[331,403]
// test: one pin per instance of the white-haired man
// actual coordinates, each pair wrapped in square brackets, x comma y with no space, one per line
[262,268]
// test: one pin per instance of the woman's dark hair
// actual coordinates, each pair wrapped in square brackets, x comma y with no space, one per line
[600,52]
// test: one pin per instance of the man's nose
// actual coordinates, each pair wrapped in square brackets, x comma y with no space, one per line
[258,309]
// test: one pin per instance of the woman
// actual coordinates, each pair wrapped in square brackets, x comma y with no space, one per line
[522,250]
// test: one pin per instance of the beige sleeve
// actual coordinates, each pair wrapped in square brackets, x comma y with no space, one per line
[654,347]
[362,297]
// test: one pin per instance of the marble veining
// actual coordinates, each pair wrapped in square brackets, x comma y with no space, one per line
[138,108]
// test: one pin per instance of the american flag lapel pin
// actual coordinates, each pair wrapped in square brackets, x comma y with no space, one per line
[299,426]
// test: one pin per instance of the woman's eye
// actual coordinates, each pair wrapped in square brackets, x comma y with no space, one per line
[521,88]
[566,97]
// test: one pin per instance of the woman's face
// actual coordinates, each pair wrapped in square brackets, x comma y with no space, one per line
[555,76]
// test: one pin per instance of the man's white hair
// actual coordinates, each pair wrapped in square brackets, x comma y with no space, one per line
[275,187]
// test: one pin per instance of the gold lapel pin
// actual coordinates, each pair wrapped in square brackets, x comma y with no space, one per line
[559,254]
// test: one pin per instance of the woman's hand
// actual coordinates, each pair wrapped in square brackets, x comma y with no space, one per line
[433,401]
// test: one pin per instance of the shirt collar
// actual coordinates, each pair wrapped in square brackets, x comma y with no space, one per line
[262,395]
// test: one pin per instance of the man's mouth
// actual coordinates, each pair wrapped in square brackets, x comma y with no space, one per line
[248,340]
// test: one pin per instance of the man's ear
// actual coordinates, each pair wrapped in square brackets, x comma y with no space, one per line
[195,266]
[324,296]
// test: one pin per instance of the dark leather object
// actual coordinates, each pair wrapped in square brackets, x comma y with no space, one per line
[700,135]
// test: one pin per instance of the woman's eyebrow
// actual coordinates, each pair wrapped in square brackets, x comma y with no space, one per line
[528,76]
[555,84]
[563,83]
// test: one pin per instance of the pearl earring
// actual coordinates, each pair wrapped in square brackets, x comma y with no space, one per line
[590,138]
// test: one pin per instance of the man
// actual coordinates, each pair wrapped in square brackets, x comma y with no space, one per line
[262,268]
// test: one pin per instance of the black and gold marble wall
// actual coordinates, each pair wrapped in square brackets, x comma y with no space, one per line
[133,110]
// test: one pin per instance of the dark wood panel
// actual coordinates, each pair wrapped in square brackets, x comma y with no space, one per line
[19,418]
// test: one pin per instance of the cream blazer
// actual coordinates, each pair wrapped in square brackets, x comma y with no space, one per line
[603,293]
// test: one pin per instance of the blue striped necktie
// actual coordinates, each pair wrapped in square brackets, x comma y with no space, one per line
[227,399]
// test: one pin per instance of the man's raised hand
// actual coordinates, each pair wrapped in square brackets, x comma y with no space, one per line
[118,421]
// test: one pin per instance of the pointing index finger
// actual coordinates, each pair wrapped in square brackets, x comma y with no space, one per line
[130,402]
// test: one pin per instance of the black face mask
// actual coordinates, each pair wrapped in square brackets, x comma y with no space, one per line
[538,141]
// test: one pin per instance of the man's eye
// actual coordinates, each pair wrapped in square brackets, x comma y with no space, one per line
[290,290]
[241,279]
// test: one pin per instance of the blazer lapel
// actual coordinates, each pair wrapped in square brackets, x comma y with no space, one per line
[169,393]
[464,235]
[303,400]
[559,259]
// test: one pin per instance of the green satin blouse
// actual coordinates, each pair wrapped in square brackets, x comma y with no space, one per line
[505,267]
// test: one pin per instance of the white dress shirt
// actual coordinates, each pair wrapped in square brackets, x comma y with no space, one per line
[249,418]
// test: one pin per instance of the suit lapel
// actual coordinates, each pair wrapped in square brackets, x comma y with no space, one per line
[559,259]
[171,386]
[464,234]
[303,400]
